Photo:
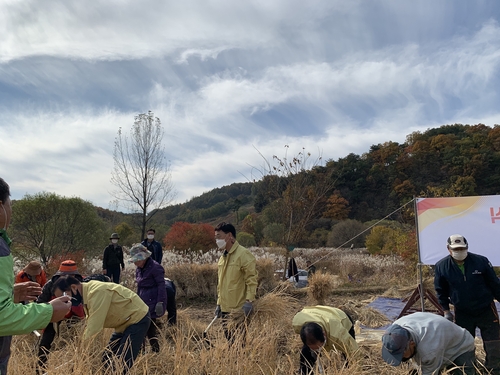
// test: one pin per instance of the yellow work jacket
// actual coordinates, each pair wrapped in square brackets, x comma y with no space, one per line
[110,305]
[237,278]
[334,322]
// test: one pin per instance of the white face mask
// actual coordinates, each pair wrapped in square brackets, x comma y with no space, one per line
[220,243]
[151,236]
[459,255]
[114,241]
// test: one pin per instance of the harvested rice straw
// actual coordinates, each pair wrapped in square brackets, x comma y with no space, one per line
[320,285]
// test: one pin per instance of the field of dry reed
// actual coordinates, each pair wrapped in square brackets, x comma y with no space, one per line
[345,279]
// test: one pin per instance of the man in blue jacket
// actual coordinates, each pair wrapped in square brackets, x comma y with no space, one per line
[154,246]
[469,282]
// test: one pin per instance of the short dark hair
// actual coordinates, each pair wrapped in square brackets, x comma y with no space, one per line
[151,230]
[64,283]
[311,333]
[4,190]
[226,228]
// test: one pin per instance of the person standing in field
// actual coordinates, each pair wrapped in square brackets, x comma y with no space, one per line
[150,279]
[110,305]
[469,282]
[323,327]
[113,259]
[32,272]
[16,318]
[237,274]
[154,246]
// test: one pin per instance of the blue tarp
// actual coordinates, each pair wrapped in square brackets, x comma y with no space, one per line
[391,308]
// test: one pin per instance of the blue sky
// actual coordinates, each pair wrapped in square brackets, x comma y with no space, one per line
[228,78]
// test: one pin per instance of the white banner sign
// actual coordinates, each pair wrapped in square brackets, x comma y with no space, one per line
[475,218]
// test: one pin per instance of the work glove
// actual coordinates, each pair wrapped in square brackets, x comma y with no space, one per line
[218,311]
[448,315]
[159,309]
[247,308]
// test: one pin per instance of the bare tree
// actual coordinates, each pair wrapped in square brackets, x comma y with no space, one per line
[141,171]
[296,190]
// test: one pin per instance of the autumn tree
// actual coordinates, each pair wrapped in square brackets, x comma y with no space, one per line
[337,207]
[141,173]
[184,236]
[47,225]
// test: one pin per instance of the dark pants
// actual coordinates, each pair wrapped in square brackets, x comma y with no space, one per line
[465,360]
[127,345]
[113,272]
[4,353]
[308,357]
[48,335]
[487,322]
[232,329]
[152,335]
[171,304]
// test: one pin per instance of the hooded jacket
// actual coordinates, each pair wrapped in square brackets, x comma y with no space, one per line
[237,278]
[151,285]
[470,292]
[334,322]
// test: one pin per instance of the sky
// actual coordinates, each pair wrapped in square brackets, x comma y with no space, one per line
[233,83]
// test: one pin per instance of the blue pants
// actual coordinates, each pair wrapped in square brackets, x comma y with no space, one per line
[127,345]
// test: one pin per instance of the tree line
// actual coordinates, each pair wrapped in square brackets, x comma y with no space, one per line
[300,200]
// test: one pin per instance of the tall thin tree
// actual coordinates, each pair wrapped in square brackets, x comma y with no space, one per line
[141,171]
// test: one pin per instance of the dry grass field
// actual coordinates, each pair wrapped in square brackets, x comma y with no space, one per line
[270,346]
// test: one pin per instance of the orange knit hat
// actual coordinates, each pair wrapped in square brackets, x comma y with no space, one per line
[68,267]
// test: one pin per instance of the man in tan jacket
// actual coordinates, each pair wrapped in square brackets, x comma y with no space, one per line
[110,305]
[237,274]
[323,327]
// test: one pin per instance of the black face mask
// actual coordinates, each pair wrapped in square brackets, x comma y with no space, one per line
[77,299]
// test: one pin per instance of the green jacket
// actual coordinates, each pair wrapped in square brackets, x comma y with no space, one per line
[334,322]
[237,278]
[16,318]
[110,305]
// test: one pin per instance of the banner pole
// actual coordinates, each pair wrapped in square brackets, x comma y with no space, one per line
[419,264]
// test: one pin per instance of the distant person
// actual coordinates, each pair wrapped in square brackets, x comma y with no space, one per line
[469,282]
[32,272]
[293,271]
[110,305]
[150,279]
[323,327]
[113,259]
[171,303]
[311,269]
[237,274]
[432,342]
[16,318]
[67,267]
[153,246]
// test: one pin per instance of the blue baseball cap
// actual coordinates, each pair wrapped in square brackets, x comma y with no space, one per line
[394,343]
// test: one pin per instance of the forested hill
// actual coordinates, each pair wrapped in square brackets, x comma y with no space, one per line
[452,160]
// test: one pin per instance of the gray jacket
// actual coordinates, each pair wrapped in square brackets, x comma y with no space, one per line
[438,340]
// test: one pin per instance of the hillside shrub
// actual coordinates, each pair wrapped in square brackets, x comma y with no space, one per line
[245,239]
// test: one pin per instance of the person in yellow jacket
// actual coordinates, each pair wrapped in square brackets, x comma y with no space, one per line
[237,274]
[110,305]
[323,327]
